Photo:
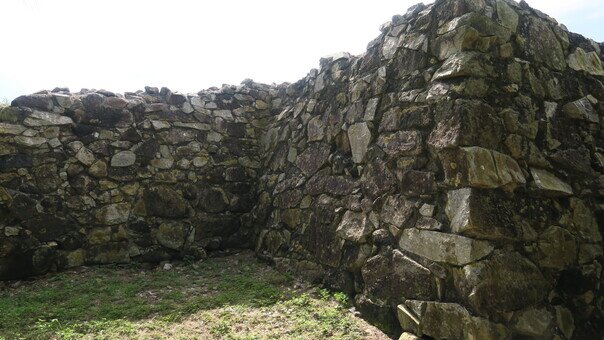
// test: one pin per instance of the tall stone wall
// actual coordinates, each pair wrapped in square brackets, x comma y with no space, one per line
[450,178]
[452,173]
[93,177]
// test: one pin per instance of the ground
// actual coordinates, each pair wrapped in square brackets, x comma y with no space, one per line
[233,297]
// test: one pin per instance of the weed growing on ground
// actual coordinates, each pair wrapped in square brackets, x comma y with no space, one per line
[221,298]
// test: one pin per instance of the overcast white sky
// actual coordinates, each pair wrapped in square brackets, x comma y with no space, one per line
[123,45]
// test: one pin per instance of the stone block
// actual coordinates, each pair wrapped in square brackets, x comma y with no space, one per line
[442,247]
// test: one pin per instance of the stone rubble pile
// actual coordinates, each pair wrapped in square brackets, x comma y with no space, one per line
[451,178]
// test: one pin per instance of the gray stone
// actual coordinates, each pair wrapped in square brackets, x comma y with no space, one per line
[395,277]
[171,235]
[371,109]
[390,46]
[11,129]
[565,321]
[123,159]
[39,118]
[113,214]
[30,141]
[98,169]
[581,109]
[8,114]
[63,100]
[532,322]
[401,143]
[85,156]
[408,336]
[543,45]
[427,210]
[482,24]
[588,62]
[503,282]
[428,223]
[163,201]
[582,221]
[159,125]
[35,101]
[354,227]
[441,247]
[556,249]
[464,64]
[482,214]
[550,185]
[441,320]
[178,136]
[99,235]
[359,137]
[313,158]
[397,211]
[162,163]
[506,16]
[481,168]
[316,129]
[113,252]
[469,123]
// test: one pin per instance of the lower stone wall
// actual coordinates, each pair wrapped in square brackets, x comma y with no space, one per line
[94,177]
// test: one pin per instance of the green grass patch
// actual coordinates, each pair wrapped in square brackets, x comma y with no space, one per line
[222,298]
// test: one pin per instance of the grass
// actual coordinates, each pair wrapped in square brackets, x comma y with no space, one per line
[233,297]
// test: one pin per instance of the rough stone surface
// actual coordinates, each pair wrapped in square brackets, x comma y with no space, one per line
[455,169]
[442,247]
[590,62]
[549,184]
[354,227]
[359,137]
[123,159]
[503,282]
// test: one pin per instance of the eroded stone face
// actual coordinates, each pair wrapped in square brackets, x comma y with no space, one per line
[590,62]
[550,185]
[446,321]
[543,45]
[359,137]
[442,247]
[482,214]
[481,168]
[395,277]
[502,282]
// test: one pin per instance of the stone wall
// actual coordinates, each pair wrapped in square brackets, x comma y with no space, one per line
[94,177]
[450,179]
[452,173]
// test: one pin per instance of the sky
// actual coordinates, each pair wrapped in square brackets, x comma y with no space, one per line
[188,45]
